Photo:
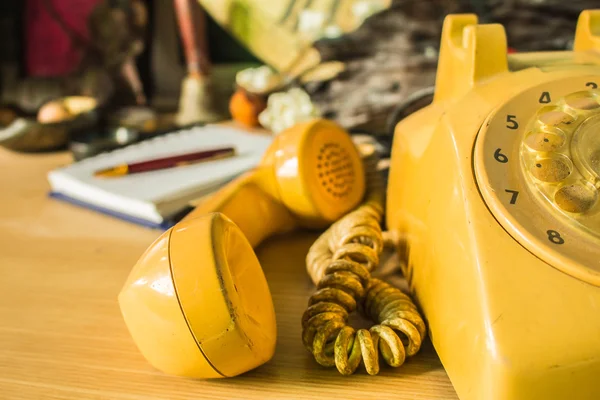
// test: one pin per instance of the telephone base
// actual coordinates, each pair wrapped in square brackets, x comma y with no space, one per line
[512,309]
[506,325]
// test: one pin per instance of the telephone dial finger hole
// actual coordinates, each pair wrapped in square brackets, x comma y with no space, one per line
[576,198]
[545,141]
[552,170]
[553,117]
[581,101]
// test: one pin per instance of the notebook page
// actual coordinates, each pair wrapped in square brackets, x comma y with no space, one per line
[166,185]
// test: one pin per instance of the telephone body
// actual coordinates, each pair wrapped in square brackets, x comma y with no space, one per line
[493,192]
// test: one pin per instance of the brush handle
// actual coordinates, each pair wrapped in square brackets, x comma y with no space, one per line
[192,27]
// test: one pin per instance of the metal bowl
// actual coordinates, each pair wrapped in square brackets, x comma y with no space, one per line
[25,133]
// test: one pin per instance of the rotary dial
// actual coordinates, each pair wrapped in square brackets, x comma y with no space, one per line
[537,165]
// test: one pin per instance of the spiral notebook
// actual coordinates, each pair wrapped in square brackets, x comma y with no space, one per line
[157,198]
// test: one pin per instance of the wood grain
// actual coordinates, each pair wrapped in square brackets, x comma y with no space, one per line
[62,335]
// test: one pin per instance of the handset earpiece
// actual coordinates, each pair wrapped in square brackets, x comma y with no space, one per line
[311,175]
[197,303]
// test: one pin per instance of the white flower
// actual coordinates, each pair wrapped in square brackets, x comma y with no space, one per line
[285,109]
[256,80]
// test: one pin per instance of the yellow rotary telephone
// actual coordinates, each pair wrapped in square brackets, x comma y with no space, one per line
[493,196]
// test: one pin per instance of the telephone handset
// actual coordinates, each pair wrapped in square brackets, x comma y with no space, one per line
[494,190]
[309,176]
[197,303]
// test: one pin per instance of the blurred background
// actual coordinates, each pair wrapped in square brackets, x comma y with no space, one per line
[363,63]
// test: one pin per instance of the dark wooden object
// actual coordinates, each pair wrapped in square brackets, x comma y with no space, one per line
[394,53]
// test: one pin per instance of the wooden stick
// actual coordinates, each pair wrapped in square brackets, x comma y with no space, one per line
[192,27]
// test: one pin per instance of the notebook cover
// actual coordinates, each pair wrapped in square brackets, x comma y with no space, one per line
[139,221]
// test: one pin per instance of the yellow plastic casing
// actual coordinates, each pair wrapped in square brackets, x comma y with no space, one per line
[197,303]
[310,176]
[512,314]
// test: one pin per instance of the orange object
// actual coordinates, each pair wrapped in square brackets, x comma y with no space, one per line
[245,107]
[197,303]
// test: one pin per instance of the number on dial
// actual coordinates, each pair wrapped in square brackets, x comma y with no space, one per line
[511,122]
[545,98]
[501,158]
[555,237]
[514,195]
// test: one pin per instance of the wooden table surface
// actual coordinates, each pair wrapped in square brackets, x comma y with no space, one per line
[62,335]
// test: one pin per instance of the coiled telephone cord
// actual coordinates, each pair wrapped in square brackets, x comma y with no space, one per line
[340,264]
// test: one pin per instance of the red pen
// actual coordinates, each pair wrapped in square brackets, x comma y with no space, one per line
[166,162]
